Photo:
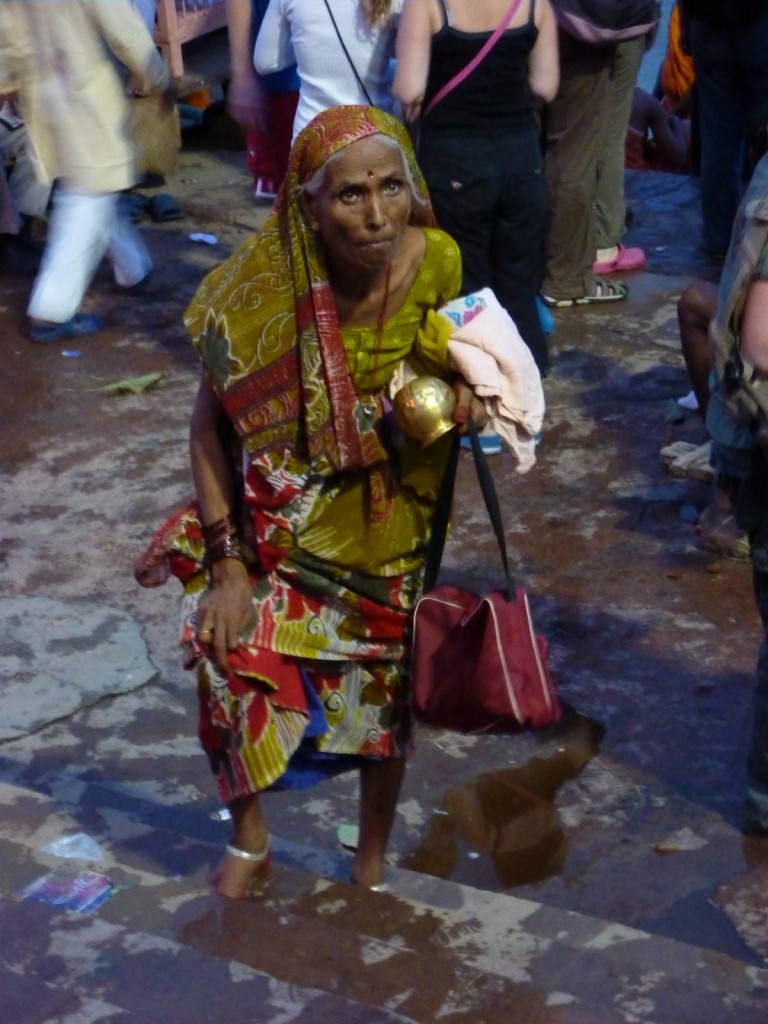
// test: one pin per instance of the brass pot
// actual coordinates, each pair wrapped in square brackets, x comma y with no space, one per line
[424,409]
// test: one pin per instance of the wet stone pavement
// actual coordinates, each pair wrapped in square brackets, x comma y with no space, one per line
[590,873]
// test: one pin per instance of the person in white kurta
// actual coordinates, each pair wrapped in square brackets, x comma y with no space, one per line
[60,54]
[303,32]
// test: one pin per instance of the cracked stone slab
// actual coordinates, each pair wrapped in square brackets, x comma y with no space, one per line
[57,657]
[743,900]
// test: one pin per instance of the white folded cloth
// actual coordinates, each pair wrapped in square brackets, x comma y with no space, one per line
[485,347]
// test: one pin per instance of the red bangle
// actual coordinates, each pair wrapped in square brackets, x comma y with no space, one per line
[221,528]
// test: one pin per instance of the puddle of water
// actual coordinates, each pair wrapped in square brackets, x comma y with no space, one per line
[502,829]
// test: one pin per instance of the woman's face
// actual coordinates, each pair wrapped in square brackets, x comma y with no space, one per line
[362,208]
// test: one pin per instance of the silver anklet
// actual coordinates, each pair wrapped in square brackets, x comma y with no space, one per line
[254,858]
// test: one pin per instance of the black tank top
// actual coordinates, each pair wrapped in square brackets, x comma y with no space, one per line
[495,96]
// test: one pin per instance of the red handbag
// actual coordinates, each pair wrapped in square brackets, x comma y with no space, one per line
[478,663]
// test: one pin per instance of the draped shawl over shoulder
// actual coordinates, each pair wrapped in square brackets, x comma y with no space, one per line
[265,322]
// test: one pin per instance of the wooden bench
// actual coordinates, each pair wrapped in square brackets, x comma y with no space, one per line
[179,21]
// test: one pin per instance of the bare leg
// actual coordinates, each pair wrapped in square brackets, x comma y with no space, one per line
[717,526]
[695,309]
[234,875]
[380,783]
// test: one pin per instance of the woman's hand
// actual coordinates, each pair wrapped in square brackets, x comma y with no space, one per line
[467,404]
[245,102]
[412,112]
[226,610]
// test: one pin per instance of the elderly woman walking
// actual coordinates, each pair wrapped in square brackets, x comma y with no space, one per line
[303,557]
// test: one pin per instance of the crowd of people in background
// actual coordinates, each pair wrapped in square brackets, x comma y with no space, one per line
[524,157]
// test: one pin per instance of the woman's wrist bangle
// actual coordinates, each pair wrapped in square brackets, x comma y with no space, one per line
[227,546]
[223,527]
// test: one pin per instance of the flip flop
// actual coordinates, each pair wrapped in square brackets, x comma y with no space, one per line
[79,325]
[605,291]
[163,207]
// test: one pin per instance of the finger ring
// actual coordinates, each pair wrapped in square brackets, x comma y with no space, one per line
[206,632]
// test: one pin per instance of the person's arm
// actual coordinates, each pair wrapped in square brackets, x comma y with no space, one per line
[683,108]
[670,138]
[667,133]
[226,609]
[412,50]
[274,50]
[544,60]
[244,94]
[753,332]
[128,39]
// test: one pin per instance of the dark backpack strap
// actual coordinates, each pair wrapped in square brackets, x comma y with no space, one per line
[441,517]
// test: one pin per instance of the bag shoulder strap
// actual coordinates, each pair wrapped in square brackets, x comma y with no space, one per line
[443,505]
[346,54]
[479,56]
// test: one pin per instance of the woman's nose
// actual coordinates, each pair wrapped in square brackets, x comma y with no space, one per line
[375,212]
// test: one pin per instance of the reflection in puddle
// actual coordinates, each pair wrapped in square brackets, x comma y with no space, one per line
[502,829]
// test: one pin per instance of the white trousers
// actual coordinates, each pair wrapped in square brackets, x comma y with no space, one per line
[82,229]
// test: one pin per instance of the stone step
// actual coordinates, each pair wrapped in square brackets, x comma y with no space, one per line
[424,951]
[59,967]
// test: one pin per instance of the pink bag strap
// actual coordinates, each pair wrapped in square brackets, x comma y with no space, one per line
[489,44]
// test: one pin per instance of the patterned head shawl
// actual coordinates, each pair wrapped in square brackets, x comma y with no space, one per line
[265,322]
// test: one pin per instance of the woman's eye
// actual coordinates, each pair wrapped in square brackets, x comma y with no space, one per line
[393,186]
[349,194]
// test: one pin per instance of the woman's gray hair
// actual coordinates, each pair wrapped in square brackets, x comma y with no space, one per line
[315,184]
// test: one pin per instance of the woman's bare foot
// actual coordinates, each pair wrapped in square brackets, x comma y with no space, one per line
[238,870]
[379,787]
[368,871]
